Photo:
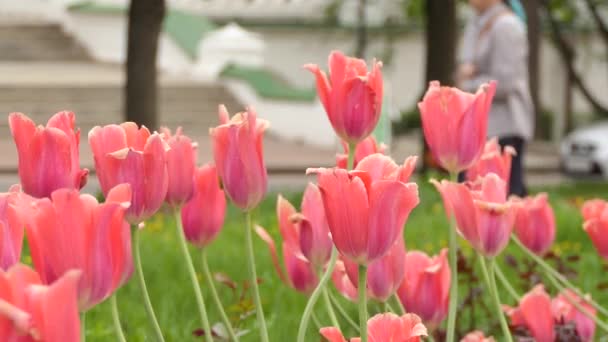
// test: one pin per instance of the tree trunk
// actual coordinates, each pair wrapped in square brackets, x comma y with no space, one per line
[440,51]
[534,40]
[141,99]
[361,44]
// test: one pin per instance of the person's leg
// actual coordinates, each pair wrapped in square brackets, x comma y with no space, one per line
[517,184]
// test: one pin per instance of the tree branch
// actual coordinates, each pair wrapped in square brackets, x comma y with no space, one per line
[568,56]
[601,25]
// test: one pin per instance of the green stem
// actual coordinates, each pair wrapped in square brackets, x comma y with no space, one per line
[343,313]
[453,258]
[200,301]
[116,320]
[560,277]
[400,305]
[254,280]
[216,298]
[316,321]
[83,328]
[315,295]
[491,284]
[142,286]
[350,164]
[362,287]
[505,283]
[330,310]
[576,304]
[389,308]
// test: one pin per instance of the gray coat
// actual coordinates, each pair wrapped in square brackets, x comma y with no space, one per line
[501,53]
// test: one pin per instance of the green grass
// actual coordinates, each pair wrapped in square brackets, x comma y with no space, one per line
[174,302]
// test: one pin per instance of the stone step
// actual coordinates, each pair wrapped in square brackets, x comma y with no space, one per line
[38,43]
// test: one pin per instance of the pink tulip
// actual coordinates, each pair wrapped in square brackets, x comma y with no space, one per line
[477,336]
[595,214]
[425,289]
[73,231]
[181,164]
[565,312]
[383,275]
[311,225]
[238,154]
[493,160]
[11,225]
[127,154]
[342,282]
[48,156]
[352,96]
[367,208]
[455,124]
[483,215]
[203,215]
[534,313]
[30,311]
[386,327]
[535,223]
[365,148]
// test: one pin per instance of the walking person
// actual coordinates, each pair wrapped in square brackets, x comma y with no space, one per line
[495,47]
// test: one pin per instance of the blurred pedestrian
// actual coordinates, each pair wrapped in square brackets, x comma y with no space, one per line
[495,47]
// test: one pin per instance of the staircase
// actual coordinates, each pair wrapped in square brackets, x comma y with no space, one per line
[38,43]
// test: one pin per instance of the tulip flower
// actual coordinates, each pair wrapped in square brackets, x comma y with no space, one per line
[493,160]
[306,243]
[596,225]
[386,327]
[455,124]
[383,275]
[11,225]
[238,154]
[352,96]
[365,148]
[564,311]
[30,311]
[342,281]
[483,215]
[535,314]
[127,154]
[181,165]
[425,289]
[203,215]
[48,156]
[367,208]
[94,238]
[476,336]
[535,223]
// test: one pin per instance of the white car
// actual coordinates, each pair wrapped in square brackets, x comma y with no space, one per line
[585,151]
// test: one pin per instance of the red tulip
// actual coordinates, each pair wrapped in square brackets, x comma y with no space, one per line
[128,154]
[352,96]
[48,156]
[73,231]
[455,124]
[11,225]
[534,313]
[365,226]
[535,223]
[425,289]
[342,282]
[365,148]
[483,215]
[477,336]
[238,154]
[386,327]
[564,311]
[30,311]
[181,164]
[493,160]
[595,214]
[203,215]
[383,275]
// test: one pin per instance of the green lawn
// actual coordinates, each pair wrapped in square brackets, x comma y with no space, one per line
[173,299]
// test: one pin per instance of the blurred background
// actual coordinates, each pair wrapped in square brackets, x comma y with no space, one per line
[171,62]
